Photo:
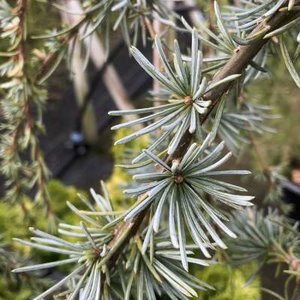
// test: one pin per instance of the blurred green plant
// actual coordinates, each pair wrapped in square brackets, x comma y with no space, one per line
[229,283]
[17,286]
[120,177]
[36,217]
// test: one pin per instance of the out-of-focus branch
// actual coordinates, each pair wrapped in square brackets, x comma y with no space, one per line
[110,76]
[20,130]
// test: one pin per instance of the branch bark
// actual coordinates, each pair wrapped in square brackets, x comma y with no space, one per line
[245,54]
[236,65]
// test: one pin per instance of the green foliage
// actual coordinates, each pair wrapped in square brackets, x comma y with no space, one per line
[21,287]
[237,124]
[11,292]
[121,177]
[270,237]
[22,161]
[11,284]
[36,216]
[60,194]
[229,283]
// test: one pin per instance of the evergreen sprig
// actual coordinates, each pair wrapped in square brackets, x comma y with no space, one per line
[236,124]
[132,17]
[10,259]
[265,238]
[249,13]
[184,188]
[22,161]
[221,40]
[158,272]
[157,268]
[246,17]
[185,107]
[85,253]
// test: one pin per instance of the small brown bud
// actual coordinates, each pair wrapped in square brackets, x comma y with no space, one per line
[178,178]
[97,252]
[237,49]
[188,100]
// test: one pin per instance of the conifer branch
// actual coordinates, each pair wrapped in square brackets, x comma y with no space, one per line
[135,252]
[20,133]
[239,61]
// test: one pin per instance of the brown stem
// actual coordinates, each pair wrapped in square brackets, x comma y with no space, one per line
[149,27]
[131,225]
[211,15]
[236,65]
[243,55]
